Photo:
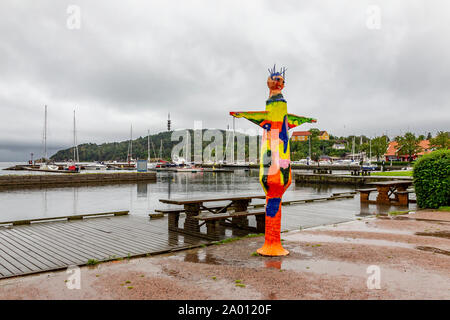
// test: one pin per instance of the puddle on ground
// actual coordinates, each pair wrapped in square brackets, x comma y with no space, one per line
[434,250]
[439,234]
[297,249]
[273,264]
[326,267]
[367,209]
[306,237]
[196,256]
[362,226]
[203,256]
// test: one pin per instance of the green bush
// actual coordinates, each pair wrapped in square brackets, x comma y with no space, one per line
[432,179]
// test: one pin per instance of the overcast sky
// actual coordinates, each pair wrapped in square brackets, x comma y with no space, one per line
[132,62]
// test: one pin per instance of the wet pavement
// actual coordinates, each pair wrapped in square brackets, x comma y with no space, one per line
[340,261]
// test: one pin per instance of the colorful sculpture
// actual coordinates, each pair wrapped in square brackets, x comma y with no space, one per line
[275,169]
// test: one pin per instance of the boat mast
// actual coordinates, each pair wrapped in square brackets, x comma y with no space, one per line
[353,149]
[148,145]
[130,146]
[76,155]
[154,149]
[309,141]
[45,135]
[160,150]
[360,152]
[232,143]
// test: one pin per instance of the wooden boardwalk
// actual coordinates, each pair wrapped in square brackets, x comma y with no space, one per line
[54,245]
[46,246]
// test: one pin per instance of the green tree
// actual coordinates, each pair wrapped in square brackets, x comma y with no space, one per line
[315,147]
[441,141]
[379,146]
[408,145]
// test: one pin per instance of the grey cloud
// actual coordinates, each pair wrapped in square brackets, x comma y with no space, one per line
[134,61]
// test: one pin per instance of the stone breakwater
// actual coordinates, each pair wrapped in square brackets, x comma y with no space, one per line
[73,179]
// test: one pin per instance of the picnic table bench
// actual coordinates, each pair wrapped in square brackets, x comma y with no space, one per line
[361,171]
[398,188]
[214,217]
[365,193]
[322,171]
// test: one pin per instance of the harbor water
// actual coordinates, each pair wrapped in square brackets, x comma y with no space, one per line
[140,198]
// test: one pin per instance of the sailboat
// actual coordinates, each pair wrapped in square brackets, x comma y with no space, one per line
[76,157]
[150,164]
[76,164]
[130,163]
[46,166]
[367,165]
[130,146]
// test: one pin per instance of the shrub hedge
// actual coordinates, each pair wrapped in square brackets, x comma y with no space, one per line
[431,175]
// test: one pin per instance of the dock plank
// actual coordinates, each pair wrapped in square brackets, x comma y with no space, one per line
[21,255]
[149,238]
[91,245]
[53,245]
[36,248]
[120,239]
[53,248]
[10,262]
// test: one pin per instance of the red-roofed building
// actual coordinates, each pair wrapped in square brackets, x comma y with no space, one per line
[303,135]
[300,135]
[391,153]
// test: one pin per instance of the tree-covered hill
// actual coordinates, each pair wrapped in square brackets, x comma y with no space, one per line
[118,150]
[299,149]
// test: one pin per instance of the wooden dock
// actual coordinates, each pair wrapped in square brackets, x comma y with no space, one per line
[343,178]
[71,179]
[46,246]
[51,245]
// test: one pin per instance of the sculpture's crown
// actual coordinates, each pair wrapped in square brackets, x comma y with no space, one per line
[274,73]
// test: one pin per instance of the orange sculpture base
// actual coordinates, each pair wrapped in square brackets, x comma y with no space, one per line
[273,250]
[272,245]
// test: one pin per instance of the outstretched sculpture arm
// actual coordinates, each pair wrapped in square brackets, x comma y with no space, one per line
[294,121]
[257,117]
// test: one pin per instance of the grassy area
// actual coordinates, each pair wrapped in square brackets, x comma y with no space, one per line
[396,213]
[444,208]
[393,173]
[251,235]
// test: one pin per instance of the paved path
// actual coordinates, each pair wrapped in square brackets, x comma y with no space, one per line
[54,245]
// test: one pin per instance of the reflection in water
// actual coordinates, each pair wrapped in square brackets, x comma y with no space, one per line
[367,209]
[75,200]
[318,187]
[142,198]
[44,202]
[200,256]
[174,238]
[273,264]
[141,190]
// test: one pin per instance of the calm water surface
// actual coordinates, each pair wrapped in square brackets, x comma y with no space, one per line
[139,199]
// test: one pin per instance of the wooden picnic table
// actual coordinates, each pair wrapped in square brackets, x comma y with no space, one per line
[193,208]
[397,187]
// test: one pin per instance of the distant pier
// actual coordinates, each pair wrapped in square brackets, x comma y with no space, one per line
[342,179]
[74,179]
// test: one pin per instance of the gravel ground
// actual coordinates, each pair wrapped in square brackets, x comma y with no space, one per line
[324,263]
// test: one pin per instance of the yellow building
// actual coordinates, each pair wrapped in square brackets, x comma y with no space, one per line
[303,135]
[323,135]
[300,136]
